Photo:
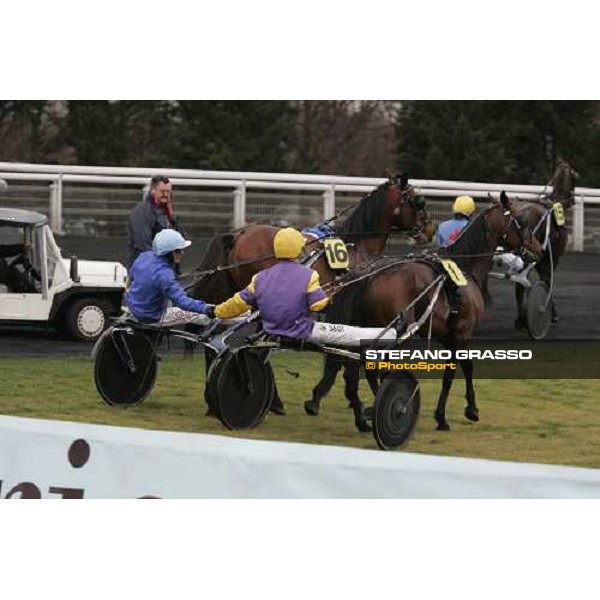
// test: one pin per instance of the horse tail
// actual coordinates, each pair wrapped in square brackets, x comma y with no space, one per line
[217,252]
[346,304]
[218,286]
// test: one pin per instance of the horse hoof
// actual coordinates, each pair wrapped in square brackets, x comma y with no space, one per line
[311,407]
[363,426]
[520,324]
[472,414]
[443,427]
[277,407]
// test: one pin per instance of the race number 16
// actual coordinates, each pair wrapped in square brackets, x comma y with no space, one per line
[337,254]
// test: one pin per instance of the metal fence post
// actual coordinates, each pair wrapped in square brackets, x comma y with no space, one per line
[239,205]
[55,209]
[329,203]
[578,224]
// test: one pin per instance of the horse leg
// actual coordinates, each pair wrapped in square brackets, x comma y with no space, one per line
[373,380]
[521,320]
[440,411]
[351,377]
[554,317]
[330,370]
[471,410]
[543,268]
[546,279]
[277,406]
[188,349]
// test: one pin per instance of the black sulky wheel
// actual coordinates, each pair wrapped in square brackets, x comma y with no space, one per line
[126,367]
[539,311]
[213,366]
[241,388]
[396,410]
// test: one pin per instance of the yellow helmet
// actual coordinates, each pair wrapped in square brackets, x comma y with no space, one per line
[288,243]
[464,205]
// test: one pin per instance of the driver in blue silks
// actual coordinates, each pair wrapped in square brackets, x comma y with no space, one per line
[448,231]
[154,284]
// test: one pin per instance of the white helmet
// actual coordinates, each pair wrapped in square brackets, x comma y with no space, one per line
[168,240]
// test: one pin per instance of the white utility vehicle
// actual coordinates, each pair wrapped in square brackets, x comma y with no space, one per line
[38,286]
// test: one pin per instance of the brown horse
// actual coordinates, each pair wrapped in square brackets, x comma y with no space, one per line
[537,214]
[376,300]
[393,205]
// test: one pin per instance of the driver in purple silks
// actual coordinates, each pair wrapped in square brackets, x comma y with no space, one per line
[287,296]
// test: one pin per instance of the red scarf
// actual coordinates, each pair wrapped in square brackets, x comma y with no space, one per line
[166,208]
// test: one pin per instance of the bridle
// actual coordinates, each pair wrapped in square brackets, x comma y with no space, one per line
[416,202]
[519,227]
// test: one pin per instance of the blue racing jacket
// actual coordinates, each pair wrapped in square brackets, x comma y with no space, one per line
[153,284]
[449,231]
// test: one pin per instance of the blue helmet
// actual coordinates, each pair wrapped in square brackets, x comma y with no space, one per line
[168,240]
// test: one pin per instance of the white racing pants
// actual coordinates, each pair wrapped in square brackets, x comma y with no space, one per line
[322,333]
[511,262]
[175,317]
[347,335]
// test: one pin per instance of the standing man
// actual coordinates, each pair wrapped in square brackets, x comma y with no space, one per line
[153,214]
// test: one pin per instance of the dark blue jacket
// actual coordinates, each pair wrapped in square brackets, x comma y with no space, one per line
[145,221]
[153,285]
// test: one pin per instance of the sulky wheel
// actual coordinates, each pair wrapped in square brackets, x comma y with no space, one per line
[396,410]
[242,388]
[539,311]
[213,367]
[126,367]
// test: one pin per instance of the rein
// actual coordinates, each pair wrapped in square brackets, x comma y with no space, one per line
[199,275]
[411,257]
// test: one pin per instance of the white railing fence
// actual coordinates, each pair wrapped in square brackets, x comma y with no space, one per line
[97,200]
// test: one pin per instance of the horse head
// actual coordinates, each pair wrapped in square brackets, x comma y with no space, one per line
[563,183]
[512,230]
[407,209]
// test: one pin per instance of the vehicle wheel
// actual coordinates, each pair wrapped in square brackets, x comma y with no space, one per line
[539,311]
[241,389]
[126,367]
[212,367]
[396,410]
[87,318]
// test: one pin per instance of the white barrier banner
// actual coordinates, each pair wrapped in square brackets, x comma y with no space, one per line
[55,459]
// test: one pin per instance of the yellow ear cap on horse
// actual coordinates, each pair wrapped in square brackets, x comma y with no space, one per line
[288,243]
[464,205]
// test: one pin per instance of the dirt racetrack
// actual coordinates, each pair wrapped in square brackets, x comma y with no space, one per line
[577,297]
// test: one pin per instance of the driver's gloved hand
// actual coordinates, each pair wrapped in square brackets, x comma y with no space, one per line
[209,311]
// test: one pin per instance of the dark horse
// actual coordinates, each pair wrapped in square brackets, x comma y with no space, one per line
[563,185]
[376,300]
[391,206]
